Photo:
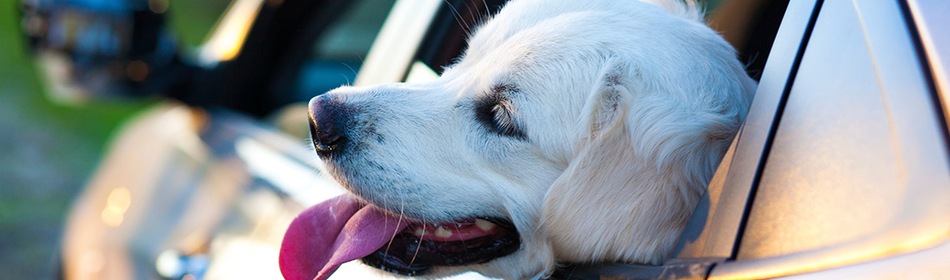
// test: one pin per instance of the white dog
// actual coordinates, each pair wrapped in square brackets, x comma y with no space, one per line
[570,131]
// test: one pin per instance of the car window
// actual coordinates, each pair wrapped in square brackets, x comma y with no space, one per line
[336,56]
[447,37]
[416,48]
[857,168]
[192,21]
[717,220]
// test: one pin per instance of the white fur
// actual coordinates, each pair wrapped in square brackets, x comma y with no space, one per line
[626,107]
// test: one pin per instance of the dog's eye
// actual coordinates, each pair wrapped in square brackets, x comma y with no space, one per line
[496,114]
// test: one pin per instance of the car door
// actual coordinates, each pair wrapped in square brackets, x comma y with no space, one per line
[854,168]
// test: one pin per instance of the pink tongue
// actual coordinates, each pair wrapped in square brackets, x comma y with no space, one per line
[331,233]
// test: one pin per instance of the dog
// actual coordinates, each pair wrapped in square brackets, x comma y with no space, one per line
[569,131]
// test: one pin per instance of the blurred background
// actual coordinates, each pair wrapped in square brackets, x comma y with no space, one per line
[49,150]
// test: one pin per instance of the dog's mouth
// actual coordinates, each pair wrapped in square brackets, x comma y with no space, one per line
[420,246]
[342,229]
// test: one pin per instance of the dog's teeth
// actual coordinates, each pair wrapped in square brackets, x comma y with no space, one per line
[419,232]
[442,232]
[484,225]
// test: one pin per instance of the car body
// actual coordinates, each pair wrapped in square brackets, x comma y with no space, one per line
[840,170]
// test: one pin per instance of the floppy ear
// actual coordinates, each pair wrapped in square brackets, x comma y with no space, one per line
[635,177]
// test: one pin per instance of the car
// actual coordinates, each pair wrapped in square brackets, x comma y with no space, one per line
[839,171]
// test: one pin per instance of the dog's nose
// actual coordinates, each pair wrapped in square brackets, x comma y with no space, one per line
[325,118]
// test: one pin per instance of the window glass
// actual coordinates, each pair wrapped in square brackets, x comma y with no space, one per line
[338,53]
[192,20]
[351,37]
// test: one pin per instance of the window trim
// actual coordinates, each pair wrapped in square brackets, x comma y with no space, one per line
[727,201]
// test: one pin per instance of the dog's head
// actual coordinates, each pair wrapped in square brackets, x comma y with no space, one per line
[577,131]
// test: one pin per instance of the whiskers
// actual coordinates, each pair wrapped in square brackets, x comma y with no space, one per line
[458,229]
[396,229]
[416,253]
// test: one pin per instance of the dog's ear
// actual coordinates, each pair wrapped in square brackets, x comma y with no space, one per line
[636,175]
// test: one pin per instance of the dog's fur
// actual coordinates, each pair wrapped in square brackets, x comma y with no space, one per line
[593,125]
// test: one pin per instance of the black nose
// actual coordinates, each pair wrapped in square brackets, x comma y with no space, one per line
[326,117]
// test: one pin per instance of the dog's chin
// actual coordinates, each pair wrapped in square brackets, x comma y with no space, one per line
[425,249]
